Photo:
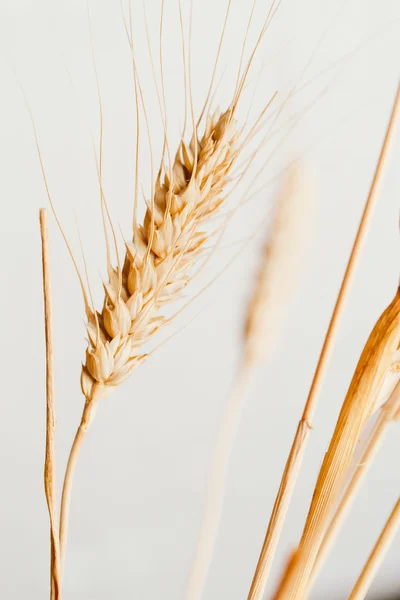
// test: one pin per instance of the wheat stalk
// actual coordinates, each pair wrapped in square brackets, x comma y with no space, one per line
[156,269]
[387,415]
[50,458]
[304,428]
[377,555]
[275,283]
[379,360]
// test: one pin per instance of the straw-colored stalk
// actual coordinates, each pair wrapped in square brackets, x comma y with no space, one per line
[376,372]
[388,414]
[50,459]
[304,428]
[276,281]
[377,555]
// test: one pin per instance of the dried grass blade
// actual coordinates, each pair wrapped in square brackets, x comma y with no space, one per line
[50,457]
[385,419]
[377,555]
[296,454]
[378,360]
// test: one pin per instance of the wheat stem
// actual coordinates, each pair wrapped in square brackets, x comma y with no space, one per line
[87,417]
[296,454]
[216,484]
[384,420]
[377,555]
[50,459]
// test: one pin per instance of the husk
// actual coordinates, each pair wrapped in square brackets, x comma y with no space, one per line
[378,361]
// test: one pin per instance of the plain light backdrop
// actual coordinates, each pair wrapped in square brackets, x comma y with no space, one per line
[140,482]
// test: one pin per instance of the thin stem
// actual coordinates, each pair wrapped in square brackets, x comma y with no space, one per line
[80,435]
[216,485]
[377,555]
[384,420]
[50,456]
[304,428]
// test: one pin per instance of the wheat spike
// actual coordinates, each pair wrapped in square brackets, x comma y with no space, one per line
[158,261]
[379,364]
[281,264]
[156,269]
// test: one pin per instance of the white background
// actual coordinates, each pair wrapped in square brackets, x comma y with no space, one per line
[141,478]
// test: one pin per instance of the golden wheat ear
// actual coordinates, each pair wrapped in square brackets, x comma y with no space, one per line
[157,267]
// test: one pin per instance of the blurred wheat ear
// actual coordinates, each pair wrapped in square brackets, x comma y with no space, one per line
[278,275]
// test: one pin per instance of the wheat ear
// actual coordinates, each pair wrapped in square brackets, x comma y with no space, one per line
[387,415]
[379,360]
[50,455]
[304,428]
[156,269]
[280,266]
[275,283]
[377,555]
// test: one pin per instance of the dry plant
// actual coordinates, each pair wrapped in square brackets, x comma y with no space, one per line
[156,269]
[379,360]
[50,455]
[388,414]
[193,185]
[280,267]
